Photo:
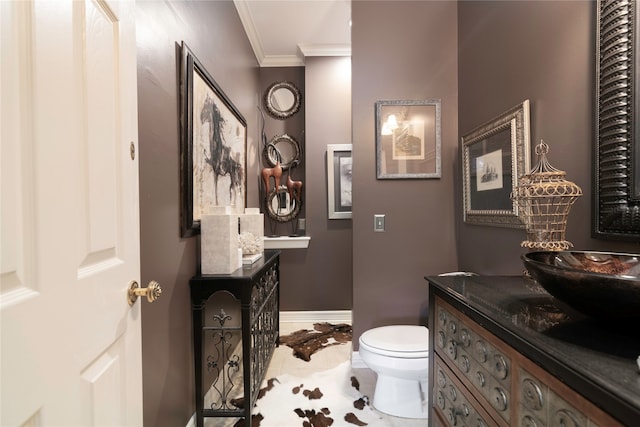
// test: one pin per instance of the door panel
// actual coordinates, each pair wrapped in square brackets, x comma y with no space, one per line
[71,346]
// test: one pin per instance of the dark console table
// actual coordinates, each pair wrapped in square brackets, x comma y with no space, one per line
[221,374]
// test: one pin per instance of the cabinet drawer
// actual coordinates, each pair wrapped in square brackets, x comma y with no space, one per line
[543,401]
[485,368]
[454,403]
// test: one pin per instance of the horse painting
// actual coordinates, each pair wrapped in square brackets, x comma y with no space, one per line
[219,154]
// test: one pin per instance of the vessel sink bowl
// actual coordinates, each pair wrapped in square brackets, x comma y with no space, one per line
[604,285]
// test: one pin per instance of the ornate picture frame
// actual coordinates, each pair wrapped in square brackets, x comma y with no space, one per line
[494,156]
[339,185]
[616,166]
[213,146]
[408,139]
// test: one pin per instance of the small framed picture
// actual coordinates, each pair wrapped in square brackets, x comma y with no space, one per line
[408,139]
[494,156]
[339,165]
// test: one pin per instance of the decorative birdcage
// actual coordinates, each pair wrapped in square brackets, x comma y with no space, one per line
[543,198]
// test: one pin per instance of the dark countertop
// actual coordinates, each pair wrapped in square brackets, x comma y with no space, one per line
[598,359]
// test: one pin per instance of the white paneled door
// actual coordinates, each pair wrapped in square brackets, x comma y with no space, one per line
[71,346]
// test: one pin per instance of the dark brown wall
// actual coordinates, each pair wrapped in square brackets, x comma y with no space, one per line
[292,126]
[319,277]
[543,51]
[401,50]
[215,34]
[323,277]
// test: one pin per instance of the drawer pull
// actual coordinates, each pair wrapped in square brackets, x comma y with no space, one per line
[452,416]
[532,396]
[465,410]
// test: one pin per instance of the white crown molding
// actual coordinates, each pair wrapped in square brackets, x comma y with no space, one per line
[324,49]
[297,60]
[305,50]
[250,29]
[282,61]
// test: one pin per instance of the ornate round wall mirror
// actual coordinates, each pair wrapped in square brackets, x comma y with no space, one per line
[286,148]
[280,206]
[282,100]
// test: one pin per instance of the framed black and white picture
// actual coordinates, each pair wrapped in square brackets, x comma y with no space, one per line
[494,156]
[339,165]
[408,139]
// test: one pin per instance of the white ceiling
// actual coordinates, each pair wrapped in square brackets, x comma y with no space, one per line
[283,32]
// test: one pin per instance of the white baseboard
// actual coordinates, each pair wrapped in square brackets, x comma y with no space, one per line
[329,316]
[356,361]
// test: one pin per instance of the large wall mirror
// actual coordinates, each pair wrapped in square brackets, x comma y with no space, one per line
[617,149]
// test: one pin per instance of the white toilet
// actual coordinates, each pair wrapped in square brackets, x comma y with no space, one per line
[399,354]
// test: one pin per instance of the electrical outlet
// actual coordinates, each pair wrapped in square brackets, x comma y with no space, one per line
[378,222]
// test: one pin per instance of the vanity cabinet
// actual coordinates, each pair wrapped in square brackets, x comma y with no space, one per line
[223,368]
[503,353]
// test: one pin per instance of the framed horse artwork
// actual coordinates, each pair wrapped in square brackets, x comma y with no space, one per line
[212,149]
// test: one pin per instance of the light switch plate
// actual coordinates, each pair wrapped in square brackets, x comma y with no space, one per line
[378,222]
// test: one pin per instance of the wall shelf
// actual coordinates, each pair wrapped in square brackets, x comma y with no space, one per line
[286,242]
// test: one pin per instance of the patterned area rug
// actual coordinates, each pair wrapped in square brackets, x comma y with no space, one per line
[328,398]
[305,342]
[325,398]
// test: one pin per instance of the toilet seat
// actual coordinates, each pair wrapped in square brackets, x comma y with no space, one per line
[401,341]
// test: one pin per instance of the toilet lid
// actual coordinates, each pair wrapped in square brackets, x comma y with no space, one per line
[398,338]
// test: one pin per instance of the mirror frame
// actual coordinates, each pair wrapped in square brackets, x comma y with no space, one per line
[271,108]
[616,203]
[272,156]
[295,210]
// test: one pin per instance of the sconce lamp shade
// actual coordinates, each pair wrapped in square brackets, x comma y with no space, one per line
[392,122]
[544,198]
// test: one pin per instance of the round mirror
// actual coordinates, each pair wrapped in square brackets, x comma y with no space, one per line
[280,206]
[282,100]
[287,150]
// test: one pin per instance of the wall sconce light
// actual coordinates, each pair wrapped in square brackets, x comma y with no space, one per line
[392,121]
[390,125]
